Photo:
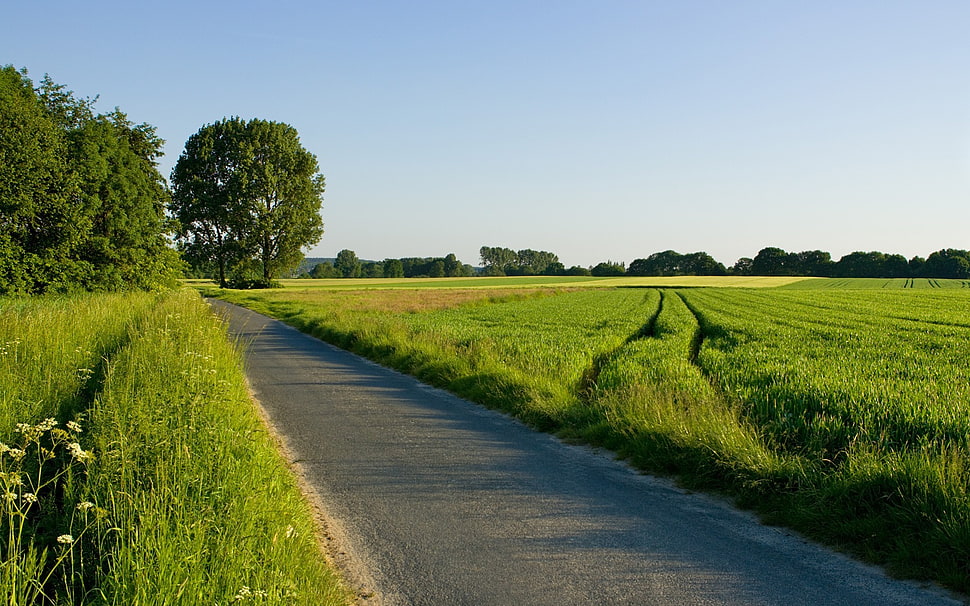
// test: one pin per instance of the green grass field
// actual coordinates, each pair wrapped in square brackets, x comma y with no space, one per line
[874,283]
[841,412]
[134,468]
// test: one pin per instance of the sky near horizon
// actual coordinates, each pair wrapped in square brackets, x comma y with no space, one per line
[597,130]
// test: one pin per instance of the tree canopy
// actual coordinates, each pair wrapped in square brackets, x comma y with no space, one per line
[82,201]
[247,198]
[672,263]
[773,261]
[505,261]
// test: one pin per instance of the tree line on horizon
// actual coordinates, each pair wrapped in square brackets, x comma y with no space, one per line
[348,265]
[946,263]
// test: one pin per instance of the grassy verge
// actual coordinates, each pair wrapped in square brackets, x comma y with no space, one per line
[165,487]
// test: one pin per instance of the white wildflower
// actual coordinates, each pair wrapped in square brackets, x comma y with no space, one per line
[85,505]
[30,497]
[244,593]
[65,539]
[10,496]
[74,426]
[75,449]
[23,428]
[16,453]
[47,424]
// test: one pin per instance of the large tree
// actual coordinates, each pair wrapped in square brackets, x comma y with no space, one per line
[38,213]
[247,197]
[81,199]
[123,196]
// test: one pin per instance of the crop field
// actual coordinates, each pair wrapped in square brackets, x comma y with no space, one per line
[881,283]
[129,449]
[843,412]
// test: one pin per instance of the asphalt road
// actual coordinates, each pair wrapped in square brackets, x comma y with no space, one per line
[434,500]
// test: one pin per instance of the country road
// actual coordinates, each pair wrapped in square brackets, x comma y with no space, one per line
[434,500]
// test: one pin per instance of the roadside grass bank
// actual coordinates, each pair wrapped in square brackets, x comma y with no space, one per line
[135,468]
[844,415]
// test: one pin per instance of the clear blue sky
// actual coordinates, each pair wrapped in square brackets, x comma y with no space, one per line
[593,129]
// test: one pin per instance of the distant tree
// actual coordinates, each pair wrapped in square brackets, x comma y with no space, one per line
[672,263]
[811,263]
[535,262]
[247,194]
[896,266]
[666,263]
[639,267]
[701,264]
[393,268]
[347,264]
[497,260]
[452,266]
[771,261]
[371,269]
[948,263]
[608,268]
[915,266]
[577,270]
[743,266]
[324,270]
[436,269]
[862,265]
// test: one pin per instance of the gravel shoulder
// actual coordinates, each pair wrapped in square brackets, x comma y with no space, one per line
[430,499]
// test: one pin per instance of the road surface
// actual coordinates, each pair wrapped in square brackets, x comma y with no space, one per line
[434,500]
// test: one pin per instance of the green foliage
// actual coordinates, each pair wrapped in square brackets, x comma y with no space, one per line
[124,198]
[40,227]
[948,263]
[672,263]
[500,261]
[82,200]
[181,496]
[577,270]
[247,198]
[393,268]
[347,264]
[608,269]
[324,270]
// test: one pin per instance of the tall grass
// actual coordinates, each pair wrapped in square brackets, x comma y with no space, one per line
[843,414]
[181,497]
[664,414]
